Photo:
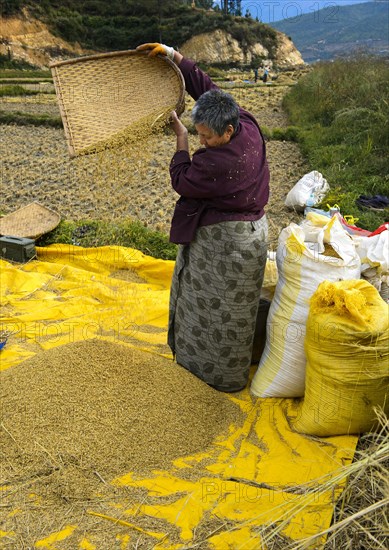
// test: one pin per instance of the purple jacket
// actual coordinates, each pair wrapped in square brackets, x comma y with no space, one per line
[225,183]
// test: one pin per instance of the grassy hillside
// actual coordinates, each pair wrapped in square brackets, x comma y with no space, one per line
[119,25]
[341,109]
[339,29]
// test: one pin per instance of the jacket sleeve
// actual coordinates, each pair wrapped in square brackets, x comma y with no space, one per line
[196,82]
[196,179]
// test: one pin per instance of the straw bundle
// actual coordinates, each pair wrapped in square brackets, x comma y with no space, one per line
[360,517]
[103,97]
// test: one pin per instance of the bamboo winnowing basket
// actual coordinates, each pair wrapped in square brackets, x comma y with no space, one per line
[30,221]
[102,96]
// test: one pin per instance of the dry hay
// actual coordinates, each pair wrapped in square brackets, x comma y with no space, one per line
[360,517]
[129,275]
[360,520]
[77,416]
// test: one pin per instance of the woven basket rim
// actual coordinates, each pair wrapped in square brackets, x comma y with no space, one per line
[68,117]
[108,54]
[24,223]
[120,54]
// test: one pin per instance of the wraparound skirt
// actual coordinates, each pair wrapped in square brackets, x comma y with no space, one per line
[214,301]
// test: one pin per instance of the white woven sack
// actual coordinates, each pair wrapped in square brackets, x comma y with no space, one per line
[374,252]
[302,266]
[308,191]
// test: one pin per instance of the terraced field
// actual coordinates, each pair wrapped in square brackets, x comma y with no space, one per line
[129,183]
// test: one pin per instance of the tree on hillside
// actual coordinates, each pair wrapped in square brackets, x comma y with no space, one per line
[9,7]
[234,7]
[205,4]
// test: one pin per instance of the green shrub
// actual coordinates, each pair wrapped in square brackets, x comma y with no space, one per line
[10,7]
[22,71]
[97,233]
[291,133]
[23,119]
[8,63]
[342,84]
[16,90]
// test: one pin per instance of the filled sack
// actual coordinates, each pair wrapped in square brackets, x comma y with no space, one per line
[374,254]
[302,265]
[347,349]
[308,191]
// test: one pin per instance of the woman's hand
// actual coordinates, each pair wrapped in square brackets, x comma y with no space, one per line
[181,132]
[176,125]
[155,48]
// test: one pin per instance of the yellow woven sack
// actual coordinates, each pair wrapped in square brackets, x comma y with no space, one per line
[347,349]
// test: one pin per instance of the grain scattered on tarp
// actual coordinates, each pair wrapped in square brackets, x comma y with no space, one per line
[112,408]
[78,415]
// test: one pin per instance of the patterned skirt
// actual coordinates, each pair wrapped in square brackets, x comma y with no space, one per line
[214,301]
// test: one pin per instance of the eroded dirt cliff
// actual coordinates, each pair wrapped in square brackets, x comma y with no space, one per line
[24,38]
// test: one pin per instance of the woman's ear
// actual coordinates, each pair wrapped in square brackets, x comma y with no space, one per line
[229,130]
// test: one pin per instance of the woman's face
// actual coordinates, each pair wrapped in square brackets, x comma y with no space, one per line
[208,138]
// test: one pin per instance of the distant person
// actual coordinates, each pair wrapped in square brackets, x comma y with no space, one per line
[265,75]
[220,225]
[255,75]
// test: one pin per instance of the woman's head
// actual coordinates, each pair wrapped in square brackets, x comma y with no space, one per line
[216,118]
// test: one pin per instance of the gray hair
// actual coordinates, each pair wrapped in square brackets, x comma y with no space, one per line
[216,109]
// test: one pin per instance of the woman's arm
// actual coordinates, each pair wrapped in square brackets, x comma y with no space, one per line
[177,57]
[196,81]
[181,133]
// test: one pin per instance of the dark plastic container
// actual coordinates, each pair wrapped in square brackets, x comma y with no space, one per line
[17,249]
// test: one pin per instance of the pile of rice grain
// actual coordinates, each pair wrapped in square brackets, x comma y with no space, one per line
[107,408]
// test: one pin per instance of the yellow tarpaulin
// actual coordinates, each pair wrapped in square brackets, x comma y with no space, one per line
[259,481]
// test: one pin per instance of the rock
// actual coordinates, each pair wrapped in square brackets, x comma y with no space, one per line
[258,51]
[28,39]
[220,47]
[287,54]
[216,47]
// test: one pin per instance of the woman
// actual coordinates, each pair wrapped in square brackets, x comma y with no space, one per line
[220,225]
